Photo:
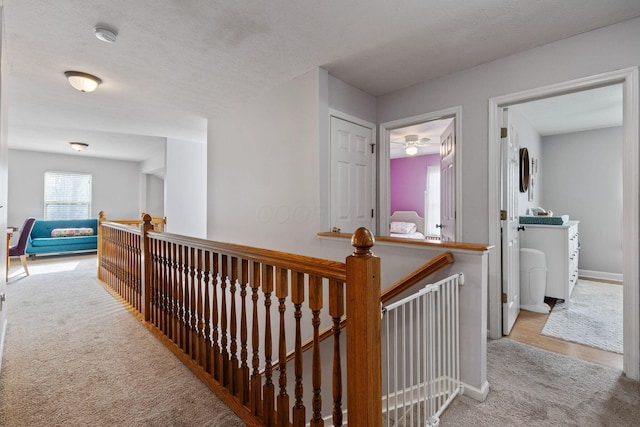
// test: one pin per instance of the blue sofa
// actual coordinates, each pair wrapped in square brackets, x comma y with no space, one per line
[41,242]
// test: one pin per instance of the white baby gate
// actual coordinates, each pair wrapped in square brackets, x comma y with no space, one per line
[421,354]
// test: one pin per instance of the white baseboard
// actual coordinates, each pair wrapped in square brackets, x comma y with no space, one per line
[3,334]
[479,394]
[600,275]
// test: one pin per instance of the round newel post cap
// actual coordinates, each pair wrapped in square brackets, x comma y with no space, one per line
[362,240]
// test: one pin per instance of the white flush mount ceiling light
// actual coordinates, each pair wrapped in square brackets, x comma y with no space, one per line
[82,81]
[78,146]
[106,34]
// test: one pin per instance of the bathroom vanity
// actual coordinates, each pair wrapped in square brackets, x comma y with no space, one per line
[562,249]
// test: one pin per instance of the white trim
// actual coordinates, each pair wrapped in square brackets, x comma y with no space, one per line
[599,275]
[374,190]
[3,334]
[383,158]
[479,394]
[344,116]
[631,209]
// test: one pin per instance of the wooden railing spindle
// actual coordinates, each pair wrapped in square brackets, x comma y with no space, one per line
[315,304]
[175,295]
[256,378]
[297,297]
[268,390]
[243,377]
[336,311]
[193,334]
[217,366]
[282,292]
[200,311]
[184,291]
[233,363]
[224,354]
[166,301]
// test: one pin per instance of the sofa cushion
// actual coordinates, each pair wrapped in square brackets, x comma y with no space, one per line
[58,241]
[71,232]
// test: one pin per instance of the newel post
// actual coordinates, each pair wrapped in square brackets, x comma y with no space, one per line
[101,219]
[145,276]
[364,365]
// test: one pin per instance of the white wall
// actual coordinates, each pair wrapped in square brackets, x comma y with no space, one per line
[528,138]
[265,163]
[154,195]
[263,185]
[186,188]
[607,49]
[350,100]
[583,172]
[115,188]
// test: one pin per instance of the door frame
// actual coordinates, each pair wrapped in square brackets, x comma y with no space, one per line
[628,77]
[384,187]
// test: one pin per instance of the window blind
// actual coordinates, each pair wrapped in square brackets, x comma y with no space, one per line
[67,195]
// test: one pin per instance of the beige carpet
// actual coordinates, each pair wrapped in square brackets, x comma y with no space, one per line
[533,387]
[75,357]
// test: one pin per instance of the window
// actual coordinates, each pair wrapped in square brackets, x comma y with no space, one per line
[67,195]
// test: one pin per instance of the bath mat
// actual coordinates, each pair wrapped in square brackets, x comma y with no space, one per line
[594,318]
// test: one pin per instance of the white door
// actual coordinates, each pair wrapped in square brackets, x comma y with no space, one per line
[448,184]
[510,168]
[352,176]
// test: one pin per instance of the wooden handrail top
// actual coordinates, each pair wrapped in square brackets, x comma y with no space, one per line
[414,242]
[417,276]
[332,270]
[121,226]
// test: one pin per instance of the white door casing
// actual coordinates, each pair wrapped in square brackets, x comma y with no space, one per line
[448,184]
[510,167]
[384,196]
[629,78]
[352,176]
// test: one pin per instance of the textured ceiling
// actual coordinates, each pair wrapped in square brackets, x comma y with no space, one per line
[176,63]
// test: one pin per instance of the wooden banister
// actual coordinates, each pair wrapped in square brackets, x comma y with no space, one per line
[435,264]
[214,306]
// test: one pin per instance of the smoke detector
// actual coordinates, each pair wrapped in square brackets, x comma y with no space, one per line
[106,34]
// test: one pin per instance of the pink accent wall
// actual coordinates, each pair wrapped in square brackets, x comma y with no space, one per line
[408,178]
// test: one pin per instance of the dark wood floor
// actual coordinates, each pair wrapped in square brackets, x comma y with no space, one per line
[528,328]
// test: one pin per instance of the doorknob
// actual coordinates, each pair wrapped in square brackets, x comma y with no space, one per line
[438,225]
[521,228]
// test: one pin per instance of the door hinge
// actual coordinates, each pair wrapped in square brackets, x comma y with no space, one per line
[373,148]
[503,132]
[371,213]
[503,215]
[504,298]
